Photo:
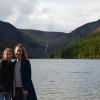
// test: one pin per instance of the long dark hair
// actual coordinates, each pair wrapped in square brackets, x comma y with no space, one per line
[24,54]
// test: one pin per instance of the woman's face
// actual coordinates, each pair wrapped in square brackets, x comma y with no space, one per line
[8,55]
[18,52]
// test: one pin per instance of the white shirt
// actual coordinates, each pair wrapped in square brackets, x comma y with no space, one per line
[18,75]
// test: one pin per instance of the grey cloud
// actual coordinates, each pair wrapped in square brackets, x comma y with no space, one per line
[23,6]
[52,15]
[5,8]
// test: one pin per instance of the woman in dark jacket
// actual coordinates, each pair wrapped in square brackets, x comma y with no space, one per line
[6,75]
[24,86]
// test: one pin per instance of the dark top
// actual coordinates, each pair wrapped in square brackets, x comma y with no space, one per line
[26,79]
[6,75]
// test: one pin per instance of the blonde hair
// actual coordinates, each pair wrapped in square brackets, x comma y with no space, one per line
[24,54]
[5,50]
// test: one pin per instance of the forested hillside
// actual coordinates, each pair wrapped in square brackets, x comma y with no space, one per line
[87,48]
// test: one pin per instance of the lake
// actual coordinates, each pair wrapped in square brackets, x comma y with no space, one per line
[66,79]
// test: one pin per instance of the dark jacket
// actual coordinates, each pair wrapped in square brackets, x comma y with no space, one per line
[6,76]
[26,79]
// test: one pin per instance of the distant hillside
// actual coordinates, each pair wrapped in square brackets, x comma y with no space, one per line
[52,40]
[88,47]
[84,31]
[41,44]
[38,43]
[9,33]
[10,36]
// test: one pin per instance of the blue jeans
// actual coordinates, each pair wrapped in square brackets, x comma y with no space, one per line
[7,97]
[1,97]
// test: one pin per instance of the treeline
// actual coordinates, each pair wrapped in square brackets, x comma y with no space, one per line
[87,48]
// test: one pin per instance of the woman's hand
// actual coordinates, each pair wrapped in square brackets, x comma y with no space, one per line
[25,92]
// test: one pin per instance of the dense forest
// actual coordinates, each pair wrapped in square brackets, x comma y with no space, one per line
[86,48]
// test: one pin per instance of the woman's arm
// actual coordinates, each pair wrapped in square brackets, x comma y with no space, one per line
[26,74]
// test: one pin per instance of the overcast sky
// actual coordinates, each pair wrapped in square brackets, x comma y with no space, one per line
[49,15]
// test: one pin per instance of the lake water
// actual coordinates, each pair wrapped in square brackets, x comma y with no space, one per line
[64,79]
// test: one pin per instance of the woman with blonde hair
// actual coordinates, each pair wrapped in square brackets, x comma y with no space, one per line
[6,75]
[24,88]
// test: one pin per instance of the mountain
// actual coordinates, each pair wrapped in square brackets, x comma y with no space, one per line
[10,36]
[39,44]
[84,31]
[50,40]
[87,48]
[75,37]
[9,33]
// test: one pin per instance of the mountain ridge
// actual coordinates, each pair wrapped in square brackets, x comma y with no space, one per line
[41,44]
[87,48]
[31,39]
